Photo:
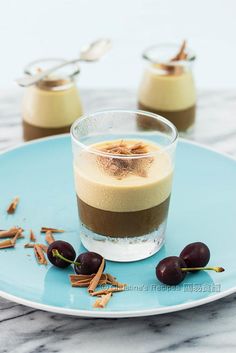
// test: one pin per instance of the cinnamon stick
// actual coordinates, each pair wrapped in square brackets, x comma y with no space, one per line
[12,207]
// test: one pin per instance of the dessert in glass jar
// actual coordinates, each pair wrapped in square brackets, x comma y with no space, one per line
[123,178]
[167,87]
[53,104]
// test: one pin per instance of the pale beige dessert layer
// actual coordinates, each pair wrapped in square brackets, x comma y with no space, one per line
[51,109]
[147,185]
[167,92]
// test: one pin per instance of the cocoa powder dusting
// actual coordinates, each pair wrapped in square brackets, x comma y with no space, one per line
[123,167]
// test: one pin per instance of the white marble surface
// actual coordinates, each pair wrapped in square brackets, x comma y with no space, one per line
[206,329]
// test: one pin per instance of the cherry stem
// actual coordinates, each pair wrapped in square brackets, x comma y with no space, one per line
[216,269]
[56,253]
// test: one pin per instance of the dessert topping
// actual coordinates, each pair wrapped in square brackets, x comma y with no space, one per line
[49,237]
[95,280]
[181,55]
[102,302]
[32,236]
[122,167]
[8,243]
[10,233]
[12,207]
[53,230]
[39,255]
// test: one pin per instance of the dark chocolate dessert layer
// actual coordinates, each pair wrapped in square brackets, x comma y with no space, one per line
[31,132]
[182,119]
[122,224]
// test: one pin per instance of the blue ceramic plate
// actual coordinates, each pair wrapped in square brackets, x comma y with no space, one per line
[202,209]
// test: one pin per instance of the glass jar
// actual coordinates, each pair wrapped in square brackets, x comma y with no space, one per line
[123,180]
[53,104]
[167,87]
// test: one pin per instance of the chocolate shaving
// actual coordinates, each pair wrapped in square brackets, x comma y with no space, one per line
[181,55]
[122,167]
[95,281]
[32,236]
[53,230]
[84,280]
[108,290]
[8,243]
[12,207]
[39,255]
[101,303]
[32,245]
[44,247]
[10,233]
[49,237]
[29,245]
[17,236]
[112,280]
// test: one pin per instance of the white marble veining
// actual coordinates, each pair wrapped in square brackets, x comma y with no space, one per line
[206,329]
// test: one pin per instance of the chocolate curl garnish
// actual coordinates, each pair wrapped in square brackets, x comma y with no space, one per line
[39,255]
[44,247]
[12,207]
[29,245]
[181,55]
[84,280]
[101,303]
[10,233]
[95,281]
[108,290]
[8,243]
[49,237]
[53,230]
[32,236]
[17,236]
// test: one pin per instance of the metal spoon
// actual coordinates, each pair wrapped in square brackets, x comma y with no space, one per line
[92,52]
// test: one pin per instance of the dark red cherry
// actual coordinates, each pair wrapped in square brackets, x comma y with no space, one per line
[64,249]
[89,263]
[196,254]
[168,271]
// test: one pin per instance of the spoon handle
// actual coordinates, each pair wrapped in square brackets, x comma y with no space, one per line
[31,80]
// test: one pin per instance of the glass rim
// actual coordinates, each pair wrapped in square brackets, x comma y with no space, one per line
[74,72]
[127,111]
[146,54]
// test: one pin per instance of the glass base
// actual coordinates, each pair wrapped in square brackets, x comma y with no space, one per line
[124,249]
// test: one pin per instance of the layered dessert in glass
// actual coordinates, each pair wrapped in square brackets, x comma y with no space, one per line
[167,87]
[53,104]
[123,179]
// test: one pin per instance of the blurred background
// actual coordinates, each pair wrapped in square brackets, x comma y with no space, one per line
[32,29]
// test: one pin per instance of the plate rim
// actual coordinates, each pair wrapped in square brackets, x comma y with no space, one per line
[115,314]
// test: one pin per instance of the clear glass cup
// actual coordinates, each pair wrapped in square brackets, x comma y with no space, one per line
[167,86]
[53,104]
[123,169]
